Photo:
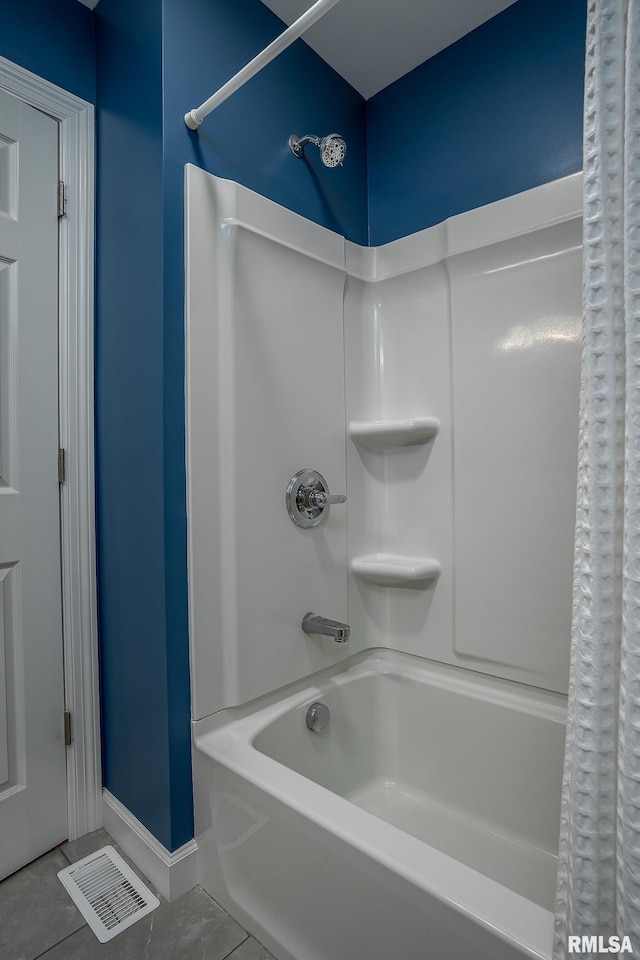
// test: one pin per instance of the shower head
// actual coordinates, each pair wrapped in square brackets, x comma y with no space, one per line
[332,148]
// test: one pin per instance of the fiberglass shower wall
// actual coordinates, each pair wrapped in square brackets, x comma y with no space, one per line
[475,322]
[436,378]
[265,388]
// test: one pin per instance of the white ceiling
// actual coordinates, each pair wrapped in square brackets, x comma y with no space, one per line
[373,42]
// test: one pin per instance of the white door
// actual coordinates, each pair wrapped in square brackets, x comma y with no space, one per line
[33,802]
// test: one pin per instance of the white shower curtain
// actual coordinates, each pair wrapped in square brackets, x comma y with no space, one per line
[598,891]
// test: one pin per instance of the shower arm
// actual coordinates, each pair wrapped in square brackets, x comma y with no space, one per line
[297,143]
[194,118]
[310,138]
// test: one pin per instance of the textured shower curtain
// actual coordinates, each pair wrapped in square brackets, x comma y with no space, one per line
[598,891]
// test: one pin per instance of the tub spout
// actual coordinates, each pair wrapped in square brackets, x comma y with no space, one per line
[312,623]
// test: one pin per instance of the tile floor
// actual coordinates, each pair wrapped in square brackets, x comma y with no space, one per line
[38,919]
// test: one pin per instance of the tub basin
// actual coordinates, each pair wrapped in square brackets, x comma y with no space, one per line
[422,822]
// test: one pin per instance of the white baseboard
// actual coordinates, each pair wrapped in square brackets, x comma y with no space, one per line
[171,873]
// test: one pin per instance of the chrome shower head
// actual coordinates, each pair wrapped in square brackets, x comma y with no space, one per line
[332,148]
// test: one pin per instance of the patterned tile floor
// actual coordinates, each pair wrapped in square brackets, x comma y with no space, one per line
[38,919]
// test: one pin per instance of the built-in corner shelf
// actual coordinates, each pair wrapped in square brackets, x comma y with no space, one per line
[383,434]
[392,570]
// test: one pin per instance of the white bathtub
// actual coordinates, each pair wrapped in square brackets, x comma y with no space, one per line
[422,824]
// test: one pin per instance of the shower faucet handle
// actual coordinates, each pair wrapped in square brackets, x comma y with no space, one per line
[308,498]
[319,499]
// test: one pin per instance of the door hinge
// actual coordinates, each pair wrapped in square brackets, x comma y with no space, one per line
[62,200]
[67,729]
[62,466]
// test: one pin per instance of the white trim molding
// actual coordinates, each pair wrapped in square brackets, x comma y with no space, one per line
[171,873]
[76,372]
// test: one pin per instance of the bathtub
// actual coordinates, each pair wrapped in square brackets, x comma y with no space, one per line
[422,823]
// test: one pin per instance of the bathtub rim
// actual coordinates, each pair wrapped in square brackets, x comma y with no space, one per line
[547,704]
[227,737]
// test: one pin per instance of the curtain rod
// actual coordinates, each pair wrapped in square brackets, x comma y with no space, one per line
[194,118]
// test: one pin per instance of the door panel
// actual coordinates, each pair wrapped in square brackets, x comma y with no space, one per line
[33,805]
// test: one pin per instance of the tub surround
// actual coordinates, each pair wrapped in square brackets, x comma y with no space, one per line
[386,369]
[433,378]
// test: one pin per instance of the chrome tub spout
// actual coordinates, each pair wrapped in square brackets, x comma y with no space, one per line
[312,623]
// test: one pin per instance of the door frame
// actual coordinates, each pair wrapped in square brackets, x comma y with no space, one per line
[76,119]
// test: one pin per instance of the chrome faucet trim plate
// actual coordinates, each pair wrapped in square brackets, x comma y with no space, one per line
[308,498]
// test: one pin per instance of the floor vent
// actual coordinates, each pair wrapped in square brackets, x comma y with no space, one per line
[107,893]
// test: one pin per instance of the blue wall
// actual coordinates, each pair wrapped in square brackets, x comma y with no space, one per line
[498,112]
[54,39]
[136,662]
